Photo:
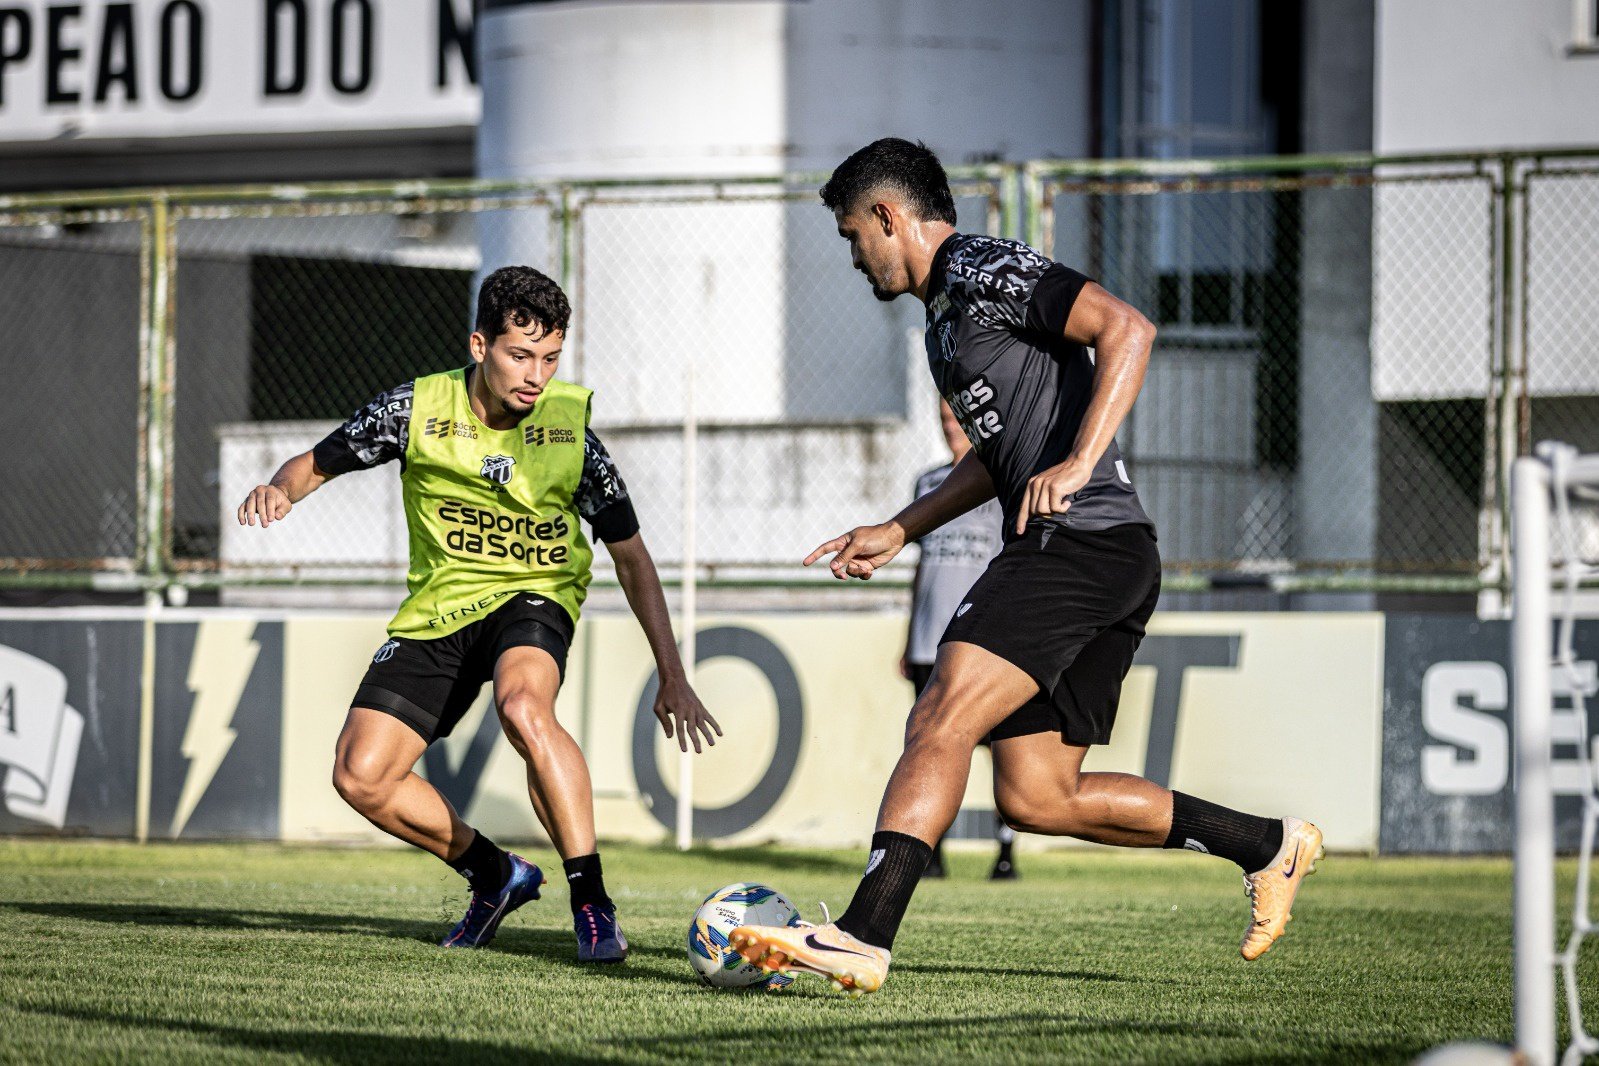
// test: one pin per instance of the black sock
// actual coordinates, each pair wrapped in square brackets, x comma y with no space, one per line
[485,867]
[587,883]
[1247,839]
[895,866]
[937,856]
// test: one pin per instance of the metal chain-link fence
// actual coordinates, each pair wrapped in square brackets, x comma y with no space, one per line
[73,324]
[1351,350]
[810,400]
[1559,375]
[290,317]
[1317,393]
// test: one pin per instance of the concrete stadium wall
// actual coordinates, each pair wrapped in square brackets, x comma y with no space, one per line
[1390,731]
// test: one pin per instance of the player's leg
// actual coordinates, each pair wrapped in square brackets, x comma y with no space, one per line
[373,770]
[971,691]
[1004,868]
[414,693]
[921,674]
[1022,623]
[527,679]
[1005,862]
[1040,787]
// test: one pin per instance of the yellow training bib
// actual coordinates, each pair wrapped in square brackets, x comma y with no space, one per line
[490,511]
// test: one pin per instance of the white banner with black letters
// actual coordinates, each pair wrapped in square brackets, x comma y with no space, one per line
[96,69]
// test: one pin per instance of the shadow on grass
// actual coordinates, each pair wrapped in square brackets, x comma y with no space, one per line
[1004,971]
[784,1042]
[553,945]
[336,1046]
[871,1033]
[962,1038]
[219,918]
[933,1038]
[1400,1051]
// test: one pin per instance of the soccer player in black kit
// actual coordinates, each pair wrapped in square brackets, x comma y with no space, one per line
[1035,656]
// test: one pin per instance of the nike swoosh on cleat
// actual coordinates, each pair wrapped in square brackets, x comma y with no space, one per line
[1294,865]
[811,941]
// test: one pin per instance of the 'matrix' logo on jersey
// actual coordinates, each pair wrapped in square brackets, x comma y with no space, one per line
[497,468]
[537,435]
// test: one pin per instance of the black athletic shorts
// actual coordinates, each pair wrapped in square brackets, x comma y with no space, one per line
[1069,607]
[430,684]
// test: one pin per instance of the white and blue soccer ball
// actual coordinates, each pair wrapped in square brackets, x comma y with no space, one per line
[723,911]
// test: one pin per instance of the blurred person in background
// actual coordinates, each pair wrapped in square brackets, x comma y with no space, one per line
[953,556]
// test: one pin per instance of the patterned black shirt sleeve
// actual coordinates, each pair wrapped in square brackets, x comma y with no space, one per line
[374,435]
[1004,284]
[601,495]
[1051,303]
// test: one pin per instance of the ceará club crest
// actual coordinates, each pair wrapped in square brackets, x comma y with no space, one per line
[497,468]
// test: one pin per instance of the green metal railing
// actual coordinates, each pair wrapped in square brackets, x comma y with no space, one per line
[1240,316]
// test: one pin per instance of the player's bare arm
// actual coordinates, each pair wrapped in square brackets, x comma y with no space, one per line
[676,704]
[1121,338]
[294,481]
[865,549]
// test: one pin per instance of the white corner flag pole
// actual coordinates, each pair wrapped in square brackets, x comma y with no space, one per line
[691,434]
[1534,896]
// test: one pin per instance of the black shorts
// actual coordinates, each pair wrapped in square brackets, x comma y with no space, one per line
[430,684]
[1069,607]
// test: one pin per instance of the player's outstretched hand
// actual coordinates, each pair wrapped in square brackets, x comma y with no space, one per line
[268,503]
[680,711]
[861,551]
[1050,492]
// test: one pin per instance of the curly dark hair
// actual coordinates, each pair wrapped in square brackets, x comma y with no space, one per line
[909,168]
[517,296]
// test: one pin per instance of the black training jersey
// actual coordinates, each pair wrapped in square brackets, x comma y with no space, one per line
[996,315]
[379,431]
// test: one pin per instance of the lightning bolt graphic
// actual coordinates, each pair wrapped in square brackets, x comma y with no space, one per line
[224,655]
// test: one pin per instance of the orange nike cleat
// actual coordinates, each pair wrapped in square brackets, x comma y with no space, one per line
[1271,891]
[854,967]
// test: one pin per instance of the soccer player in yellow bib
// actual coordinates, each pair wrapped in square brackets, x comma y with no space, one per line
[498,464]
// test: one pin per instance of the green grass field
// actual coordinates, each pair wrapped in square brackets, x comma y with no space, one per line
[243,953]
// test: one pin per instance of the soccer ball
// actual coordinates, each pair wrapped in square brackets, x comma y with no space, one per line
[724,911]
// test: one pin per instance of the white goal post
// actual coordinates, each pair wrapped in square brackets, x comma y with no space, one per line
[1544,489]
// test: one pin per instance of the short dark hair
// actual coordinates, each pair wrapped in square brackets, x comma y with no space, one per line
[519,296]
[910,168]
